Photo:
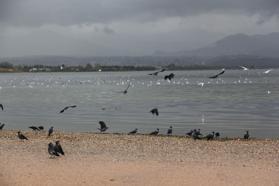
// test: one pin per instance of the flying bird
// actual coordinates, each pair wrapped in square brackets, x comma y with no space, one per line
[169,77]
[21,136]
[51,150]
[58,148]
[157,72]
[217,75]
[34,128]
[169,132]
[50,131]
[41,127]
[2,126]
[67,107]
[133,131]
[246,136]
[154,111]
[156,132]
[267,71]
[244,68]
[103,126]
[126,90]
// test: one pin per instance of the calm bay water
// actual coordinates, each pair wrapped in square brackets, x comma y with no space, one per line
[237,101]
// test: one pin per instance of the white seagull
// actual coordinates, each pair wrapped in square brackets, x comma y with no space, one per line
[267,71]
[244,68]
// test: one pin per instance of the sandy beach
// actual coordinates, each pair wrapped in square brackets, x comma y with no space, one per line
[119,159]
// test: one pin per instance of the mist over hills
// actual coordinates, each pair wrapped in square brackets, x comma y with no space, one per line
[257,51]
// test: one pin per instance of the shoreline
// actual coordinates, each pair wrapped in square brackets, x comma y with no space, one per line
[121,159]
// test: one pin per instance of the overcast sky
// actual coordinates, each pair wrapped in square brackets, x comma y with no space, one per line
[127,27]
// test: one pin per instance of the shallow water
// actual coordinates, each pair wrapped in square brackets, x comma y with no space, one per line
[237,101]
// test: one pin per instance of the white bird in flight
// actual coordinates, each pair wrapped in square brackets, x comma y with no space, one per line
[267,71]
[244,68]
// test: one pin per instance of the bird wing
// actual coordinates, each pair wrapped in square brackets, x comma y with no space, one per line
[244,68]
[1,106]
[127,87]
[1,127]
[102,124]
[73,106]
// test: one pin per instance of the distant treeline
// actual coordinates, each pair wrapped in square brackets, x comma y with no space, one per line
[8,67]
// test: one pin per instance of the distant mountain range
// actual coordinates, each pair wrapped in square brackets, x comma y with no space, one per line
[234,50]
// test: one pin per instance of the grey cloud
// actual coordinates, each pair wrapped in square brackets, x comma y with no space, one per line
[69,12]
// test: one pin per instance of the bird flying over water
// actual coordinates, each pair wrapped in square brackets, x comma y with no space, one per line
[67,107]
[169,77]
[133,131]
[21,136]
[244,68]
[1,106]
[2,126]
[103,126]
[58,148]
[34,128]
[50,131]
[267,71]
[217,75]
[154,111]
[156,132]
[157,72]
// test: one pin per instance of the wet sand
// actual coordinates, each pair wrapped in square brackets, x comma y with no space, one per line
[119,159]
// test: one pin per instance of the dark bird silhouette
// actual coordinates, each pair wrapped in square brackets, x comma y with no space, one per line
[34,128]
[1,106]
[210,136]
[246,136]
[126,90]
[217,135]
[2,126]
[217,75]
[133,131]
[156,132]
[41,127]
[190,133]
[169,77]
[67,107]
[155,111]
[51,150]
[50,131]
[157,72]
[58,148]
[196,134]
[169,132]
[21,136]
[103,126]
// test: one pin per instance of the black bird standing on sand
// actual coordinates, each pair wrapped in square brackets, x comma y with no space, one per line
[169,131]
[2,126]
[133,131]
[51,150]
[169,77]
[156,132]
[103,126]
[210,136]
[50,131]
[190,133]
[58,148]
[217,135]
[21,136]
[246,136]
[1,106]
[155,111]
[157,72]
[34,128]
[217,75]
[67,107]
[196,134]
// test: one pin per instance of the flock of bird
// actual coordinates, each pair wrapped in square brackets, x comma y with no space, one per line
[56,148]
